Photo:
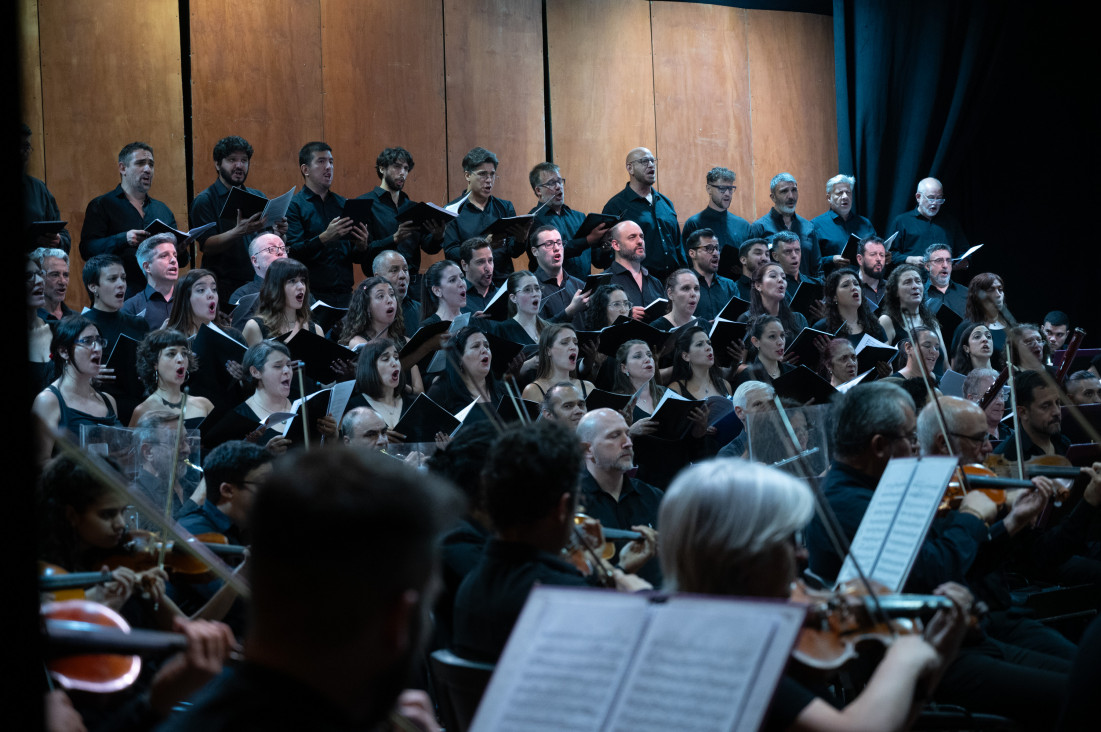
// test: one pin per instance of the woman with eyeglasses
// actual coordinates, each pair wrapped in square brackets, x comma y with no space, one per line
[72,400]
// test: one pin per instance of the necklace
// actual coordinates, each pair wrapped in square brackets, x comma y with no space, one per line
[167,403]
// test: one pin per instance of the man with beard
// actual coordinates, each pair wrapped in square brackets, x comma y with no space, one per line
[784,192]
[393,166]
[925,224]
[312,662]
[319,235]
[38,203]
[476,261]
[752,254]
[54,264]
[1040,418]
[581,253]
[940,290]
[627,271]
[871,258]
[559,287]
[640,203]
[728,229]
[839,223]
[225,247]
[477,209]
[115,222]
[715,290]
[392,265]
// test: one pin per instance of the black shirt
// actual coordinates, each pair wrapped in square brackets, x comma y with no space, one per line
[491,597]
[1008,447]
[150,305]
[330,264]
[232,266]
[39,205]
[383,222]
[773,223]
[834,232]
[637,506]
[954,298]
[729,229]
[471,222]
[917,233]
[476,302]
[660,229]
[578,258]
[873,297]
[106,221]
[624,280]
[715,296]
[556,297]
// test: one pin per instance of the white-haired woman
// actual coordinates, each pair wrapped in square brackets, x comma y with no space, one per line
[727,528]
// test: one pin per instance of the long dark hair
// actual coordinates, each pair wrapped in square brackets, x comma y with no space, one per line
[596,316]
[368,382]
[961,360]
[273,299]
[358,318]
[452,373]
[976,293]
[433,278]
[546,341]
[622,383]
[682,370]
[181,317]
[892,306]
[864,317]
[757,306]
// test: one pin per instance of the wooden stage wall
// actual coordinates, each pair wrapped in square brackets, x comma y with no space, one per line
[701,85]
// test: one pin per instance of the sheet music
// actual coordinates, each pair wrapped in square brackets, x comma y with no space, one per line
[968,253]
[897,519]
[342,392]
[842,388]
[276,208]
[454,208]
[690,663]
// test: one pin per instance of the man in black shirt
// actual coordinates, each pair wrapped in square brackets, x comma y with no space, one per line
[582,253]
[1056,327]
[55,274]
[559,287]
[39,204]
[1040,418]
[225,247]
[319,235]
[752,254]
[157,258]
[627,271]
[393,166]
[477,209]
[730,230]
[392,265]
[787,250]
[653,212]
[940,290]
[476,260]
[926,224]
[839,223]
[784,192]
[715,290]
[871,258]
[115,223]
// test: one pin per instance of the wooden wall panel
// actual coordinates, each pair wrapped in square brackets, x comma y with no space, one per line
[384,87]
[256,72]
[110,75]
[702,102]
[794,104]
[30,84]
[601,95]
[493,54]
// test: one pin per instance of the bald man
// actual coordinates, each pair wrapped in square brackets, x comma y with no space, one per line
[925,225]
[629,247]
[653,212]
[364,428]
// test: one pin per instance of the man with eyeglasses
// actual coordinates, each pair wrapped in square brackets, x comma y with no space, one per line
[225,246]
[715,290]
[784,192]
[477,209]
[728,229]
[875,423]
[940,290]
[54,264]
[653,212]
[580,253]
[839,223]
[560,300]
[924,225]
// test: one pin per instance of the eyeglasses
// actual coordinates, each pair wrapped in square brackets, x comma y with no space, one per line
[941,260]
[274,249]
[551,245]
[620,304]
[723,189]
[556,183]
[930,199]
[92,341]
[709,249]
[911,436]
[645,162]
[529,290]
[484,174]
[979,437]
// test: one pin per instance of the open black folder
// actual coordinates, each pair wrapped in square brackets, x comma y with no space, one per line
[319,353]
[424,419]
[249,204]
[663,659]
[423,212]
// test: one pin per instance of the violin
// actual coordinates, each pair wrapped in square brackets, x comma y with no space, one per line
[141,550]
[64,585]
[100,673]
[589,548]
[975,477]
[839,621]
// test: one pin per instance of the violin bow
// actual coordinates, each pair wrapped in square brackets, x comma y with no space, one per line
[299,367]
[107,476]
[172,470]
[829,518]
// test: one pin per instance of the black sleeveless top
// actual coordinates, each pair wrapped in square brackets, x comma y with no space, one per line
[71,419]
